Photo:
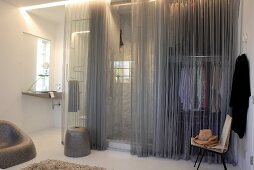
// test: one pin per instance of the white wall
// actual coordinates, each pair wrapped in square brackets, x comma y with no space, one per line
[58,67]
[246,145]
[29,113]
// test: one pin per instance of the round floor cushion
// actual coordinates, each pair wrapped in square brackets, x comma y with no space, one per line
[77,142]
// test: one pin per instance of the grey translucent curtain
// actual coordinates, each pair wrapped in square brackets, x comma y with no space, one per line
[97,77]
[77,15]
[86,40]
[183,53]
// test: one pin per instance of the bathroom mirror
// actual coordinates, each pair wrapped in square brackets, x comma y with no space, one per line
[36,53]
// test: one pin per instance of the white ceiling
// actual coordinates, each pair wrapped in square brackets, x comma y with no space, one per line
[56,14]
[53,14]
[22,3]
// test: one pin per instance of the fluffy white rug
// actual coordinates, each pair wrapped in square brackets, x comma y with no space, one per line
[57,165]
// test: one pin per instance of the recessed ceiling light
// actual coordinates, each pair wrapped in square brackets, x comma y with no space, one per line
[128,3]
[81,32]
[47,5]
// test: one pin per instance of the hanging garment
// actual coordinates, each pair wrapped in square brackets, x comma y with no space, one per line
[206,85]
[199,86]
[240,95]
[185,91]
[215,94]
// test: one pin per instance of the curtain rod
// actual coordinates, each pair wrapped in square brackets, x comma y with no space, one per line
[199,56]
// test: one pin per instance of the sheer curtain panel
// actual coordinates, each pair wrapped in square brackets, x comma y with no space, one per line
[77,27]
[86,51]
[97,77]
[183,53]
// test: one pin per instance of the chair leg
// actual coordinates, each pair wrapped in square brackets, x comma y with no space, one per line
[223,161]
[203,153]
[197,157]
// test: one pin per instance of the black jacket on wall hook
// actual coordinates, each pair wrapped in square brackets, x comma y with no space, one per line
[239,101]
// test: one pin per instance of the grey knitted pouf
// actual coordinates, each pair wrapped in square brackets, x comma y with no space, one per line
[77,142]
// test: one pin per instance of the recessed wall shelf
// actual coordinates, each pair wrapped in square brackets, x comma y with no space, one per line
[46,95]
[58,95]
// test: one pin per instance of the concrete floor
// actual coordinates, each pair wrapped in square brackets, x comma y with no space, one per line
[48,145]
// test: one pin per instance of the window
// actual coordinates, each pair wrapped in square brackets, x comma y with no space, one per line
[42,67]
[122,71]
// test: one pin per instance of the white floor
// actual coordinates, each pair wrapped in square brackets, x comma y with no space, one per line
[48,146]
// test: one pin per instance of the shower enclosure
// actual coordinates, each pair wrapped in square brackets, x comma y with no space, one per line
[77,37]
[119,114]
